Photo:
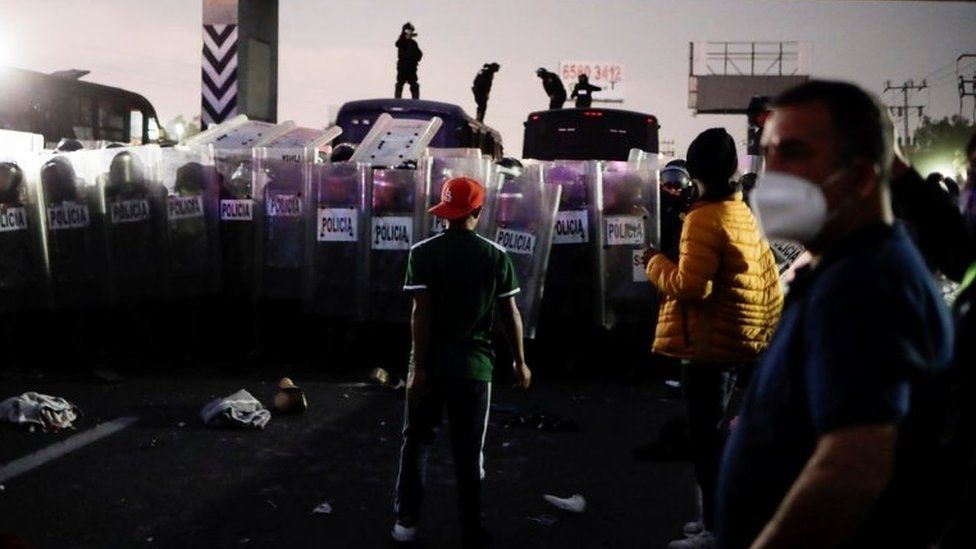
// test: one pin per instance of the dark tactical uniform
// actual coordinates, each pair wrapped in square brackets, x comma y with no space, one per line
[482,88]
[408,57]
[582,92]
[554,89]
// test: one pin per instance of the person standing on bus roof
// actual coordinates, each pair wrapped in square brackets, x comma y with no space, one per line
[554,88]
[581,92]
[482,87]
[408,57]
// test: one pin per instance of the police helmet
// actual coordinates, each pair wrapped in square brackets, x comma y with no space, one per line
[11,181]
[342,152]
[58,180]
[69,145]
[509,166]
[126,168]
[190,179]
[676,181]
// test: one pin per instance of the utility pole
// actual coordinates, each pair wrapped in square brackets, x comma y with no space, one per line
[963,82]
[904,110]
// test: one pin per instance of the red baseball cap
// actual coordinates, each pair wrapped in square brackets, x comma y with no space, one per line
[459,197]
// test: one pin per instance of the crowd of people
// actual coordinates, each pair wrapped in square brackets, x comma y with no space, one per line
[856,427]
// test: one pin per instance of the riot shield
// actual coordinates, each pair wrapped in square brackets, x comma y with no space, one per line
[69,219]
[237,133]
[14,142]
[396,197]
[392,142]
[521,219]
[339,239]
[787,254]
[190,179]
[238,222]
[282,205]
[628,224]
[20,262]
[571,276]
[436,170]
[131,206]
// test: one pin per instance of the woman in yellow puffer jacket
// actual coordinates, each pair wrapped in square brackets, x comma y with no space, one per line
[720,304]
[722,299]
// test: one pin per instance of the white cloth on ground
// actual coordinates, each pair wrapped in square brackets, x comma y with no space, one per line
[49,412]
[240,409]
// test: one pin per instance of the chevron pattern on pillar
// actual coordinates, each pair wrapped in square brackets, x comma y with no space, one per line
[219,73]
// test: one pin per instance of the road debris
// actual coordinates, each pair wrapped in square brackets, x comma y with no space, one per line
[542,421]
[290,399]
[573,504]
[545,520]
[50,413]
[379,375]
[324,508]
[240,409]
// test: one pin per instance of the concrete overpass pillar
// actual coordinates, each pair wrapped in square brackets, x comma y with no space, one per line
[240,60]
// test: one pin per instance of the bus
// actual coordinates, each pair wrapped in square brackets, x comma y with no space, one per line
[459,130]
[60,105]
[588,134]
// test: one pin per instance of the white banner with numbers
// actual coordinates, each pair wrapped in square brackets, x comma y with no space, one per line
[606,75]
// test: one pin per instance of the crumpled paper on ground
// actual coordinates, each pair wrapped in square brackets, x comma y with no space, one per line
[574,504]
[240,409]
[49,412]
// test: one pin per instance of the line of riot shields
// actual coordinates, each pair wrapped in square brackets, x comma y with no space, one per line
[111,226]
[123,227]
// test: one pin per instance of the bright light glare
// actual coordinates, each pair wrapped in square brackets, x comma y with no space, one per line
[946,170]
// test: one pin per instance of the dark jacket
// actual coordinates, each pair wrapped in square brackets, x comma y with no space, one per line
[482,83]
[671,222]
[553,85]
[935,223]
[584,89]
[408,52]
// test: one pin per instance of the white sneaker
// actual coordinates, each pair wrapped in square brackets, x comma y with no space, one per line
[702,540]
[693,528]
[403,534]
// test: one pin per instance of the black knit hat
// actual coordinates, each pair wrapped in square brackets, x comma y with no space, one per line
[712,158]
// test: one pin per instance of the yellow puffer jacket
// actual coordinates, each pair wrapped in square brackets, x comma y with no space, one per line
[723,299]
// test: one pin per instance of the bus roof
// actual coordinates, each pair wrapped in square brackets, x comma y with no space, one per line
[574,113]
[436,108]
[12,72]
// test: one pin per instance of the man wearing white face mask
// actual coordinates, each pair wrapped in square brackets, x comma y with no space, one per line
[836,433]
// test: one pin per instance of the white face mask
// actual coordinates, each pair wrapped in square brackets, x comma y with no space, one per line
[789,207]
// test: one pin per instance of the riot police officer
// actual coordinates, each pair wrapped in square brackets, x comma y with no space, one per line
[554,88]
[482,87]
[678,193]
[408,57]
[582,92]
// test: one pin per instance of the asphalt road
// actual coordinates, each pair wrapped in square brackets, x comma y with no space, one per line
[169,481]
